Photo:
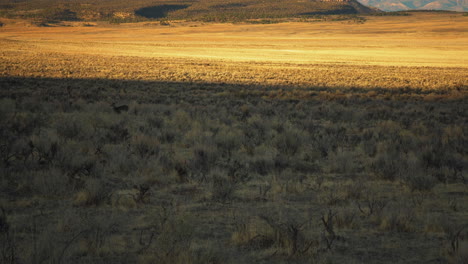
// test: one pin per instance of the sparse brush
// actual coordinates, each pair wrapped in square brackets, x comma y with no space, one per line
[400,219]
[290,141]
[388,166]
[346,218]
[346,152]
[8,247]
[146,147]
[94,194]
[289,236]
[331,196]
[222,187]
[456,236]
[372,203]
[51,183]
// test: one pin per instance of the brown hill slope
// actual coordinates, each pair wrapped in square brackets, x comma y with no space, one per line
[208,10]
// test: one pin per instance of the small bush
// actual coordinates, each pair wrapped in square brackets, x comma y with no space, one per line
[461,257]
[289,142]
[173,243]
[124,199]
[50,183]
[120,159]
[264,160]
[118,133]
[343,161]
[74,158]
[420,181]
[387,166]
[8,247]
[346,218]
[355,190]
[74,127]
[202,160]
[46,147]
[145,146]
[398,219]
[265,232]
[416,177]
[222,188]
[94,193]
[228,140]
[372,203]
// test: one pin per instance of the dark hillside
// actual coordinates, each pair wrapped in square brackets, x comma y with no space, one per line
[207,10]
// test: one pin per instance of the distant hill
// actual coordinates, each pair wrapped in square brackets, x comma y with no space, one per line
[397,5]
[206,10]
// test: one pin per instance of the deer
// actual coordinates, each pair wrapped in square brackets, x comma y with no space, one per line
[120,108]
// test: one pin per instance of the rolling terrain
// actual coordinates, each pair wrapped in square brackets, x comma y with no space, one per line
[311,140]
[205,10]
[386,41]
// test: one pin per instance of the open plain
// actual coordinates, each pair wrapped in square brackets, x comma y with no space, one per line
[328,140]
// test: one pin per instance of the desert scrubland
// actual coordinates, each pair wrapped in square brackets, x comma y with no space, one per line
[187,142]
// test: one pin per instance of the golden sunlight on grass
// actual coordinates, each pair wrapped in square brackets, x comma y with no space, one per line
[440,41]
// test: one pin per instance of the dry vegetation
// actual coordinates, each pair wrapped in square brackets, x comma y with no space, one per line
[324,142]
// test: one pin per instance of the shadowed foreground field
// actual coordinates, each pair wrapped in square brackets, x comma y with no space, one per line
[228,159]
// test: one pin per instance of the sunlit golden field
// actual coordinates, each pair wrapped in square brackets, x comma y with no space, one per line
[297,142]
[246,52]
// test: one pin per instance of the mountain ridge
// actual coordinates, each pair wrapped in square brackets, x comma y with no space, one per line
[404,5]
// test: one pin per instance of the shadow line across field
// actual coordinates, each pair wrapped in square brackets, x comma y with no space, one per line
[154,91]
